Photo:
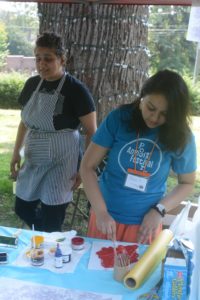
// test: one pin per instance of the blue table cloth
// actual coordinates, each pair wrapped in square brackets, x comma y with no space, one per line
[99,281]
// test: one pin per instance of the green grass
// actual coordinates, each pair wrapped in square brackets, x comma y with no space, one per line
[9,120]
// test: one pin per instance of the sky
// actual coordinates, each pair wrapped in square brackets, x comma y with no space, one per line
[12,6]
[5,5]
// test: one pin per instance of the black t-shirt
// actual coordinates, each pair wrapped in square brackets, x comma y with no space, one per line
[74,100]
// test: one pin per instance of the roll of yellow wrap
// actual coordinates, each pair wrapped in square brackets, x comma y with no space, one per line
[149,260]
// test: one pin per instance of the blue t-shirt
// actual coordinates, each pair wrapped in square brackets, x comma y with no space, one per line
[127,205]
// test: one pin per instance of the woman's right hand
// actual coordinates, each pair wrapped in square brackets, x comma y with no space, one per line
[106,224]
[15,163]
[15,166]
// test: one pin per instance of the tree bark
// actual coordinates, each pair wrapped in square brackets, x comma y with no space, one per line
[106,48]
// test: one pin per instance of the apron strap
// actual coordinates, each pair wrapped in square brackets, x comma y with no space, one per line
[61,83]
[58,88]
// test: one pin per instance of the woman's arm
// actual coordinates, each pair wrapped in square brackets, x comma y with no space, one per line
[180,192]
[91,159]
[90,126]
[16,158]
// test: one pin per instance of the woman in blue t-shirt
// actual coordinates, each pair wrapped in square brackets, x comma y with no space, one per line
[143,141]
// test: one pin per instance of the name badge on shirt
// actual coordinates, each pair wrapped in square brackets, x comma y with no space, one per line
[135,181]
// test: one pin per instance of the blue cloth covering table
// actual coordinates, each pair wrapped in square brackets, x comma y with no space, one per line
[98,281]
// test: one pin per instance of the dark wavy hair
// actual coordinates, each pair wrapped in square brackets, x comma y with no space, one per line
[174,133]
[51,40]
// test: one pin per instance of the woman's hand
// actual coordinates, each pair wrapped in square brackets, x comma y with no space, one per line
[149,226]
[15,165]
[106,224]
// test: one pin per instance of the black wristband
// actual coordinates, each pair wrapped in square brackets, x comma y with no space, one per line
[161,212]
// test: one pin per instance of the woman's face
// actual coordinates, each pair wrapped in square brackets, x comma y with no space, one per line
[48,64]
[154,110]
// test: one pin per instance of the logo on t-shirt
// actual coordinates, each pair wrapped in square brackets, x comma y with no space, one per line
[144,154]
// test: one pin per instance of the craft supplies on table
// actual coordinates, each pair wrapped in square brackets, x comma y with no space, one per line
[122,266]
[175,276]
[76,274]
[8,241]
[77,243]
[102,254]
[66,254]
[37,241]
[37,257]
[3,257]
[58,260]
[69,259]
[147,263]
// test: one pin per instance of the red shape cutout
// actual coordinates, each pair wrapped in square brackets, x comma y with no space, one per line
[106,254]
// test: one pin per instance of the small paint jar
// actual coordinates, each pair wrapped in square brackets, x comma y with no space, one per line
[37,241]
[66,254]
[37,257]
[77,243]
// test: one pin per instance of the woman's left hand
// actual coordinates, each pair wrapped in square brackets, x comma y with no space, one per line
[77,181]
[149,226]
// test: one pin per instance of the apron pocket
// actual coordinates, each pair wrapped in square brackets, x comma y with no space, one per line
[37,151]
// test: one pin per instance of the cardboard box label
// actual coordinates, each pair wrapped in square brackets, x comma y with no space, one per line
[175,279]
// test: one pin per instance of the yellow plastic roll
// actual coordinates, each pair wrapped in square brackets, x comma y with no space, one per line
[149,260]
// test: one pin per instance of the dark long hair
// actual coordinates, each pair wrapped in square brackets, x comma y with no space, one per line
[51,40]
[174,133]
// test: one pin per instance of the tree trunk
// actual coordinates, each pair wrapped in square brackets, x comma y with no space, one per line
[106,48]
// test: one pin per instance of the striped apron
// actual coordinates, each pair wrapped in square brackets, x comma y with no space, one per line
[51,156]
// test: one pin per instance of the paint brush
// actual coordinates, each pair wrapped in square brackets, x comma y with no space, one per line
[115,248]
[123,260]
[33,230]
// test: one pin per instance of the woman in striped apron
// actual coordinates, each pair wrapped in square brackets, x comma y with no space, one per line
[54,105]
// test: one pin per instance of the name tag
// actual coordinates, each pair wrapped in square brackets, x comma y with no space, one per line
[136,182]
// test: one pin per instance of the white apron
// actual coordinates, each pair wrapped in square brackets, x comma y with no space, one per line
[51,155]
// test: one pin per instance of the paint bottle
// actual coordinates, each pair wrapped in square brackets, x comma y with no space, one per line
[58,259]
[66,254]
